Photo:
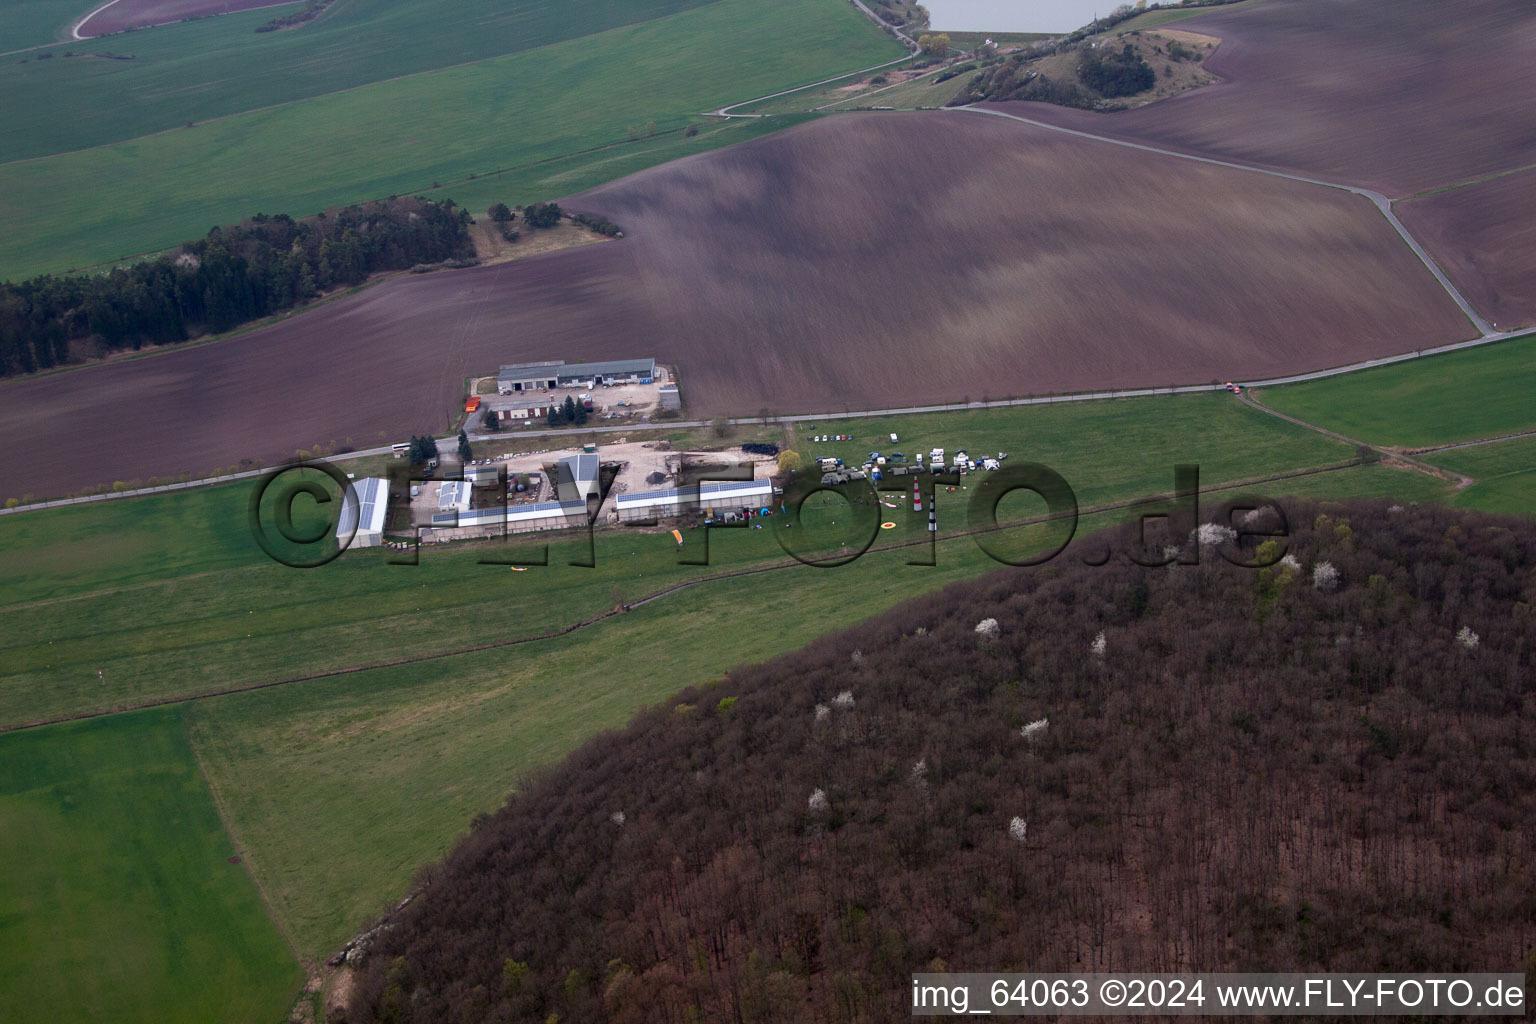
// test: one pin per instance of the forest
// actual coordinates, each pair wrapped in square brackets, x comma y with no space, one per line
[236,274]
[1327,763]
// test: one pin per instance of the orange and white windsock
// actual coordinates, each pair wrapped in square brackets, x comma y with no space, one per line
[917,496]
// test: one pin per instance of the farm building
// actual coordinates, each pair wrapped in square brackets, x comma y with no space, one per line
[482,476]
[453,496]
[520,377]
[614,371]
[520,407]
[576,477]
[718,496]
[527,377]
[670,398]
[363,511]
[546,515]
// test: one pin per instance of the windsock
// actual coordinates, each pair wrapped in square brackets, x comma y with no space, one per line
[917,496]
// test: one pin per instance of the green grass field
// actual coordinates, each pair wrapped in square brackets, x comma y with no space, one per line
[214,67]
[28,23]
[511,113]
[1505,472]
[119,901]
[832,96]
[1459,396]
[220,617]
[340,788]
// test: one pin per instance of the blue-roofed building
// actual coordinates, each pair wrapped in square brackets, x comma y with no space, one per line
[364,509]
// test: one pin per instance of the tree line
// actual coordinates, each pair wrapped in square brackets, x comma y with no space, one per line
[236,274]
[1328,764]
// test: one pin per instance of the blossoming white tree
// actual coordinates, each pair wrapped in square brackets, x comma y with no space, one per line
[818,801]
[988,628]
[1018,828]
[843,701]
[1208,535]
[1035,730]
[1325,576]
[1467,638]
[1100,645]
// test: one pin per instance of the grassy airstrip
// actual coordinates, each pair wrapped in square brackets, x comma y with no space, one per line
[120,902]
[1460,396]
[335,790]
[551,103]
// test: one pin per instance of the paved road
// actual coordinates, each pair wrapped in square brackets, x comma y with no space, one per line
[1381,202]
[512,438]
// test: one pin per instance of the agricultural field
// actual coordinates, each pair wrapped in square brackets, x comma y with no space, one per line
[1389,74]
[1505,472]
[1484,235]
[1458,396]
[121,886]
[338,788]
[924,277]
[120,586]
[493,130]
[25,24]
[61,105]
[131,14]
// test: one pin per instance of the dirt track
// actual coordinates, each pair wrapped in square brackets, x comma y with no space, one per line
[1395,95]
[864,261]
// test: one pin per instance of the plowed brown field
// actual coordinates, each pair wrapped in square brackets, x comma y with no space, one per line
[864,261]
[1484,237]
[1400,96]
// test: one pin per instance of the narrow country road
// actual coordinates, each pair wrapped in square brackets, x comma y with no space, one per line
[908,41]
[512,439]
[1381,202]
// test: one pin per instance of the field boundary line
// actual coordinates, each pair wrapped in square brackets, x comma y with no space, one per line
[1442,189]
[1378,199]
[1470,444]
[1249,399]
[241,850]
[592,620]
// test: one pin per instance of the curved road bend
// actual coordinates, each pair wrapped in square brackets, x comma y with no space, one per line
[1381,202]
